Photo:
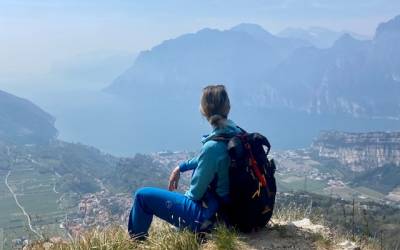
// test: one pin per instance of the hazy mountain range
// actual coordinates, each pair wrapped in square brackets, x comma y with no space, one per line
[240,57]
[277,84]
[360,78]
[285,87]
[318,36]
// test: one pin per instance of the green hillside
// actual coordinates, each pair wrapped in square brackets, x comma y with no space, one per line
[383,179]
[21,121]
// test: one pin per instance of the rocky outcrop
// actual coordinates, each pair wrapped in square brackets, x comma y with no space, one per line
[359,151]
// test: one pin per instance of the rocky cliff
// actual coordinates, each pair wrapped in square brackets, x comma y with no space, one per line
[359,151]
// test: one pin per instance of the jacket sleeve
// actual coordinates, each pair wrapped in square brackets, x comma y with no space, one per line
[203,174]
[188,165]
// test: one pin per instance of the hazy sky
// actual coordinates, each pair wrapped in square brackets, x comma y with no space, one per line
[35,33]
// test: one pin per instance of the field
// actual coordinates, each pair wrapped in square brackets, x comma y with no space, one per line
[299,183]
[37,195]
[293,182]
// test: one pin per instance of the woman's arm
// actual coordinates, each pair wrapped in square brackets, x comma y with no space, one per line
[188,165]
[204,173]
[174,179]
[175,174]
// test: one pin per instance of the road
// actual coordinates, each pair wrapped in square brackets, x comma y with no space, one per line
[21,207]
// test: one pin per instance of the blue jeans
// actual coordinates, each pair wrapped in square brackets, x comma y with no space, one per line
[172,207]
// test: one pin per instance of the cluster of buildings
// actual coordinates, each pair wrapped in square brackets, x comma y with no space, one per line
[336,183]
[105,208]
[300,162]
[19,243]
[99,209]
[172,158]
[317,175]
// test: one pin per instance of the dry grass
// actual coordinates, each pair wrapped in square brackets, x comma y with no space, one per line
[110,238]
[224,238]
[163,236]
[293,212]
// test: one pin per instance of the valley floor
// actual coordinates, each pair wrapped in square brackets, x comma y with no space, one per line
[28,206]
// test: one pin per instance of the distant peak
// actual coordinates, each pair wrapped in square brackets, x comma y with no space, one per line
[251,28]
[346,37]
[312,29]
[393,25]
[320,29]
[207,30]
[247,26]
[345,41]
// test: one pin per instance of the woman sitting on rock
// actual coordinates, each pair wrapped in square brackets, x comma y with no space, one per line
[196,209]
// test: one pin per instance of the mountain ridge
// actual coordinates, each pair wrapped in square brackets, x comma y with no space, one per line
[318,36]
[350,86]
[393,25]
[247,56]
[234,49]
[21,121]
[352,77]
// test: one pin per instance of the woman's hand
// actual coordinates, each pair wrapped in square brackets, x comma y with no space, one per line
[174,179]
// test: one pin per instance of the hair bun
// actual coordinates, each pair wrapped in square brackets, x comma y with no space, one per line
[217,120]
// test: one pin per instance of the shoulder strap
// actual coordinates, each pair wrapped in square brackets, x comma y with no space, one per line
[226,137]
[242,130]
[221,137]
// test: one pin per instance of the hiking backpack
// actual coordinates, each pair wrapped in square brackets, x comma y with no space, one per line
[252,183]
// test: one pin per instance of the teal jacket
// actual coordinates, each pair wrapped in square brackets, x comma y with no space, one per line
[212,161]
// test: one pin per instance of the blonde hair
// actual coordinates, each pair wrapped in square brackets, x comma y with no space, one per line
[215,105]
